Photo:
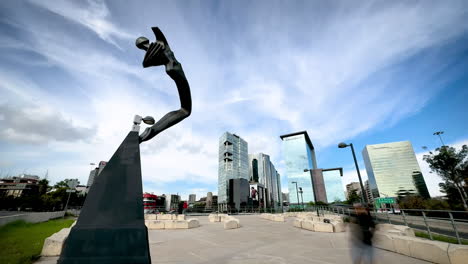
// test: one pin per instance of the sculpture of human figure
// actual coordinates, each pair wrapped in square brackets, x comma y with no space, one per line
[159,53]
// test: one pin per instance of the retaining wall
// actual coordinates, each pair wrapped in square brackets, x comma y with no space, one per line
[34,217]
[402,240]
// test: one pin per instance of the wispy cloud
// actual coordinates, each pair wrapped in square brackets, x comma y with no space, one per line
[94,15]
[335,69]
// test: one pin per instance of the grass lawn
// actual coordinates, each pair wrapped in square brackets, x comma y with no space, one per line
[442,238]
[22,242]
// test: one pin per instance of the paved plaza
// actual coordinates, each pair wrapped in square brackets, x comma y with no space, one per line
[258,241]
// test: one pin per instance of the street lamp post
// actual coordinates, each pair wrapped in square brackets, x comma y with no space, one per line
[439,133]
[302,198]
[344,145]
[297,193]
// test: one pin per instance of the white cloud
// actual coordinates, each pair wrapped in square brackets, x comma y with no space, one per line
[93,16]
[328,76]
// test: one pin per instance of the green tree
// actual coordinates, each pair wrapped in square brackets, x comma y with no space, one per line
[412,202]
[353,197]
[63,184]
[452,166]
[43,186]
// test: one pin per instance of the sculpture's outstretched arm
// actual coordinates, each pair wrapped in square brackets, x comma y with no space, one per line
[159,53]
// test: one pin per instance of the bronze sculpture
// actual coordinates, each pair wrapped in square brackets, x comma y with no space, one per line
[159,53]
[111,226]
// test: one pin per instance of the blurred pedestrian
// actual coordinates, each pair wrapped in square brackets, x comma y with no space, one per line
[362,250]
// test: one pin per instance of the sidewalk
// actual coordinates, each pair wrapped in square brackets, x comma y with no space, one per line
[257,241]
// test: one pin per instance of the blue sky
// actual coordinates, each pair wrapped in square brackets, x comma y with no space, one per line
[370,72]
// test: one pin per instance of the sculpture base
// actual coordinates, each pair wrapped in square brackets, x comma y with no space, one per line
[115,245]
[111,226]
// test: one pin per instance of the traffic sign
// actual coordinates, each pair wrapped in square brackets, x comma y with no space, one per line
[72,183]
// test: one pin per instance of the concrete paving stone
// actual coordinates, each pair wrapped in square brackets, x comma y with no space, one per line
[458,254]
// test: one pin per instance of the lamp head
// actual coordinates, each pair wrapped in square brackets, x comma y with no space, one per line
[306,170]
[342,145]
[149,120]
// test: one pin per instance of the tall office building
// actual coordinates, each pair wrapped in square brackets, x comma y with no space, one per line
[368,191]
[393,170]
[209,200]
[172,202]
[94,173]
[266,180]
[333,184]
[233,164]
[192,198]
[353,186]
[299,154]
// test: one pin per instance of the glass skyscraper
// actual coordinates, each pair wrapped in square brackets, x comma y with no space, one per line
[262,170]
[333,185]
[299,154]
[233,163]
[393,170]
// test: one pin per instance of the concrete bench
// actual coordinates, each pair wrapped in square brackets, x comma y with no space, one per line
[403,243]
[273,217]
[298,222]
[395,229]
[308,225]
[53,244]
[172,224]
[316,224]
[458,254]
[231,223]
[217,217]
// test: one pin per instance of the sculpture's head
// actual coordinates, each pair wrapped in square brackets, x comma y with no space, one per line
[157,52]
[142,43]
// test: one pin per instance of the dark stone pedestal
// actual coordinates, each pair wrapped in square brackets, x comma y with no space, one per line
[111,226]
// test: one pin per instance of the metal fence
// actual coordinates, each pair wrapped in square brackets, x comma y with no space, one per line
[440,222]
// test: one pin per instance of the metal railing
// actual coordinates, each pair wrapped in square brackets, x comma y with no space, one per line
[446,223]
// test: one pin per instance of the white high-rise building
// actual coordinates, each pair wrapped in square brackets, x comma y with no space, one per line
[393,170]
[192,198]
[94,173]
[233,164]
